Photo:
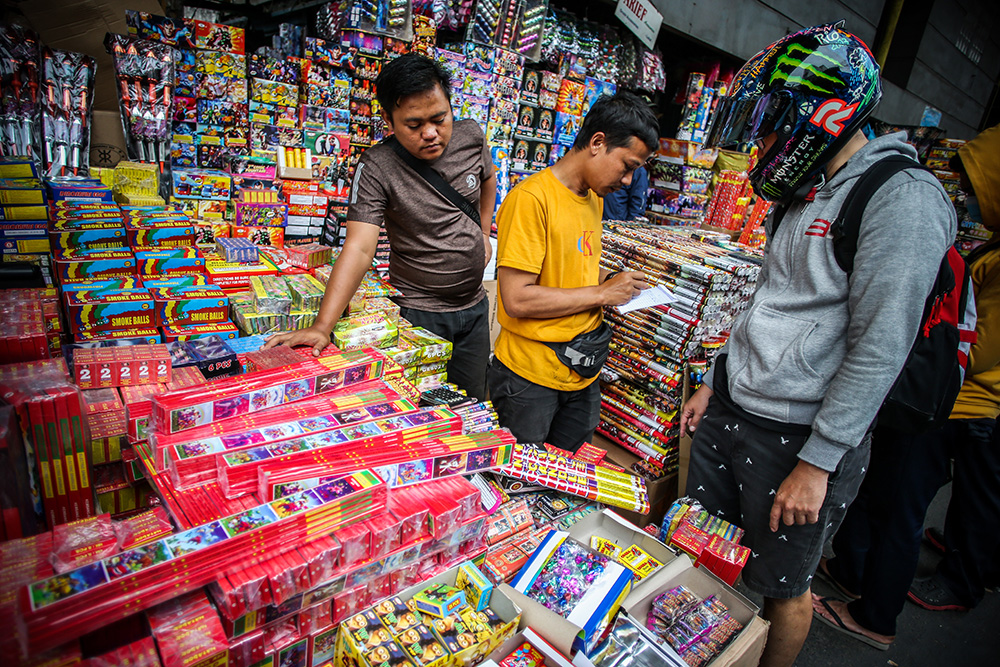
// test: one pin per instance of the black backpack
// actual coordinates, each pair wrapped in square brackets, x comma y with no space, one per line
[924,393]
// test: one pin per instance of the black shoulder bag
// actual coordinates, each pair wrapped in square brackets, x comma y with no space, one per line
[435,180]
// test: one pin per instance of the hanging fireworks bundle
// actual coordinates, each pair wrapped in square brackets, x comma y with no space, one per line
[145,74]
[18,91]
[67,97]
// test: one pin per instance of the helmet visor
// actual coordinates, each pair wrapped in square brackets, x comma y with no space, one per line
[743,120]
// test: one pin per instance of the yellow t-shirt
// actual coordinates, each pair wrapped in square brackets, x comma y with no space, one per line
[546,229]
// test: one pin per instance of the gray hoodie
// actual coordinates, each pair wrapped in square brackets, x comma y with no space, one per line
[813,349]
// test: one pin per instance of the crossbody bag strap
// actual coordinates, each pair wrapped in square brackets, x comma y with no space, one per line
[435,180]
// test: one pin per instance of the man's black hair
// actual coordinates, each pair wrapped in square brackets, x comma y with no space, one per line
[407,75]
[620,117]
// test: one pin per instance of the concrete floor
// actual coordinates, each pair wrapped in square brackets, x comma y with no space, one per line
[923,637]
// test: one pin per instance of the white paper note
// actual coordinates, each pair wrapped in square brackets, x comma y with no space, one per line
[657,295]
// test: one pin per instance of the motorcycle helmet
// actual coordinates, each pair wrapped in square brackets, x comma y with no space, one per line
[814,88]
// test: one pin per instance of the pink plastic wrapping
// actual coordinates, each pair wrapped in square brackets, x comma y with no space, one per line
[349,602]
[412,517]
[385,530]
[355,544]
[81,542]
[142,528]
[380,587]
[247,650]
[140,653]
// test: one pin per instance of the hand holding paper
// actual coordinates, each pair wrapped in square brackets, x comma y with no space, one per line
[654,296]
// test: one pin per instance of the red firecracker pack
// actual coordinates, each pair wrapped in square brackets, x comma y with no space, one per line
[231,397]
[121,366]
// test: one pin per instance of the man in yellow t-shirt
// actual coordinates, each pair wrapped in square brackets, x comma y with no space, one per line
[552,287]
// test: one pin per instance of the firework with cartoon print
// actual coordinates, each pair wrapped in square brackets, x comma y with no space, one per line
[61,586]
[195,539]
[250,519]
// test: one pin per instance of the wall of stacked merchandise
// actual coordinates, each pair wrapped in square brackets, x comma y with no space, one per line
[174,495]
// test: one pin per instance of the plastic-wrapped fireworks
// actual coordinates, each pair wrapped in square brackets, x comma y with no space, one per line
[145,74]
[19,56]
[67,93]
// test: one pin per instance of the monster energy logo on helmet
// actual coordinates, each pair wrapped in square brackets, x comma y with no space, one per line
[795,67]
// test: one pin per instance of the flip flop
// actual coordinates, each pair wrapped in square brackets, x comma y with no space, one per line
[838,625]
[823,572]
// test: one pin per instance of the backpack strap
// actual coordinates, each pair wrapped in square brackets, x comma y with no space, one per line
[847,226]
[435,180]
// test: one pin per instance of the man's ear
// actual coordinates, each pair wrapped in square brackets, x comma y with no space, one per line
[597,142]
[387,117]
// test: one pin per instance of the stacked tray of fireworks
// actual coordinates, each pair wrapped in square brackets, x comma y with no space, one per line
[237,471]
[193,460]
[433,511]
[71,604]
[557,469]
[340,592]
[50,412]
[231,397]
[30,326]
[428,459]
[277,303]
[712,280]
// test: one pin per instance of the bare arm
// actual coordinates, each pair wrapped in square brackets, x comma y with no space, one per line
[354,260]
[523,297]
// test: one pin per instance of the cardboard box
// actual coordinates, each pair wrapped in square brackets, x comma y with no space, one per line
[586,623]
[745,649]
[502,605]
[107,138]
[553,658]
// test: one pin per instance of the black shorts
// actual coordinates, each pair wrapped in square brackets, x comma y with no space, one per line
[736,469]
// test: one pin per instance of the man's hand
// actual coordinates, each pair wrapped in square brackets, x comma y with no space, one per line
[315,337]
[800,496]
[694,409]
[623,287]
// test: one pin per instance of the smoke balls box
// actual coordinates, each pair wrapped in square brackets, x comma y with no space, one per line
[190,305]
[110,311]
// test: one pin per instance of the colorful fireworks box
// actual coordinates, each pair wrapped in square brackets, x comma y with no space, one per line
[189,408]
[375,391]
[561,471]
[190,305]
[109,310]
[170,261]
[238,250]
[121,366]
[69,605]
[270,295]
[194,461]
[79,265]
[307,292]
[102,234]
[237,471]
[437,459]
[309,256]
[188,332]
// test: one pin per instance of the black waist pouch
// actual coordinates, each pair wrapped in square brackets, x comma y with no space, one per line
[585,354]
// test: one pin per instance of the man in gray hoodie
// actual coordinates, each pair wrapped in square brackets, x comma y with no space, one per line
[782,421]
